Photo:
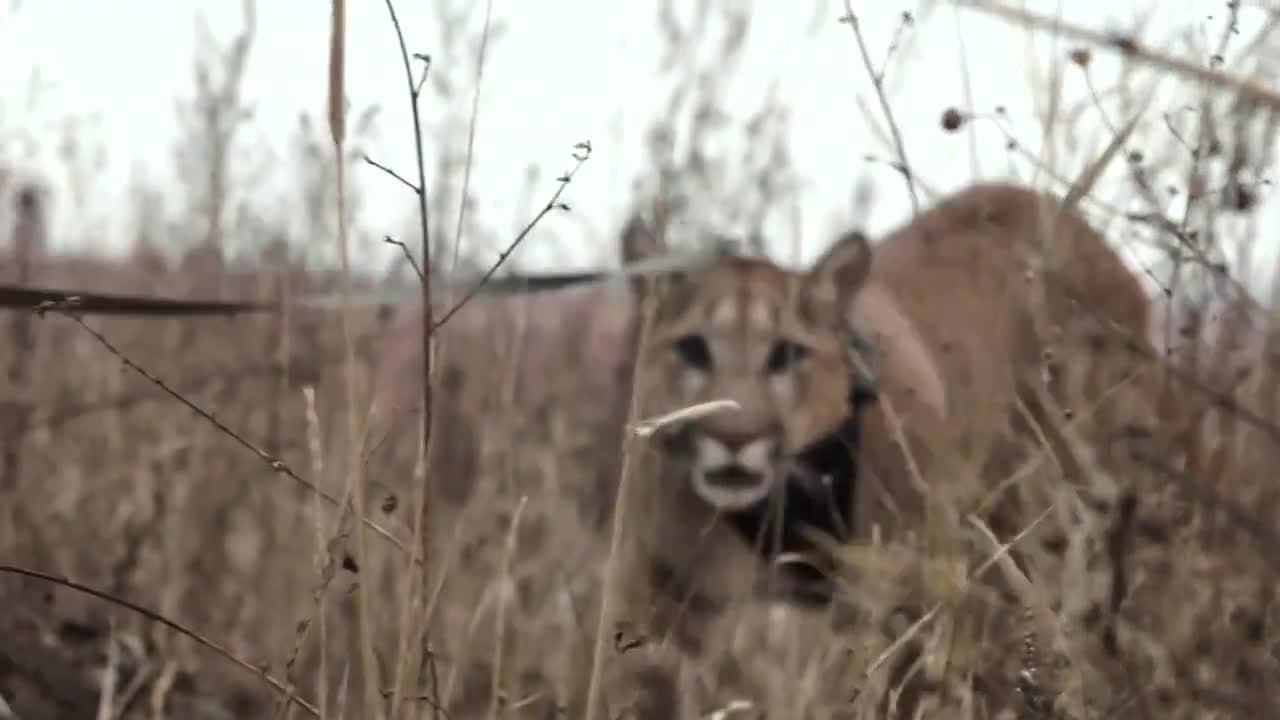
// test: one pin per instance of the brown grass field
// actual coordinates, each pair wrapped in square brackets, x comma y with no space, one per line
[177,535]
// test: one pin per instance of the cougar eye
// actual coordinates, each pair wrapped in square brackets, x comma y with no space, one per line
[783,355]
[693,349]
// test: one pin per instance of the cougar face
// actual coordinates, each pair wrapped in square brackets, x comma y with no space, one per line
[774,342]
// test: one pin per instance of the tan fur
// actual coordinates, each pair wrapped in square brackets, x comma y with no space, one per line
[686,572]
[741,308]
[962,333]
[970,278]
[950,302]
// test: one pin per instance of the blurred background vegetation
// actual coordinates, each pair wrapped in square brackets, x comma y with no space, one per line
[107,479]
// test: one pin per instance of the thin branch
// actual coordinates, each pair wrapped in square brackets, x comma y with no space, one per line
[553,204]
[419,553]
[274,462]
[392,173]
[906,20]
[877,81]
[408,255]
[70,412]
[471,133]
[1129,48]
[415,93]
[426,69]
[154,616]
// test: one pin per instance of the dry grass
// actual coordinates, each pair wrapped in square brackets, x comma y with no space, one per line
[1147,592]
[139,497]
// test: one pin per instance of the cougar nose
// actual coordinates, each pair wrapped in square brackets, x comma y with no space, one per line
[733,441]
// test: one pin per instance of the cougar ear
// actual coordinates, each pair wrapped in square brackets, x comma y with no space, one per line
[841,272]
[639,241]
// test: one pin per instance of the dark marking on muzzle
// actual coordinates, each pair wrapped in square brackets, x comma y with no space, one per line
[733,476]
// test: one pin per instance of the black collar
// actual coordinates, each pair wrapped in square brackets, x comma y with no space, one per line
[819,497]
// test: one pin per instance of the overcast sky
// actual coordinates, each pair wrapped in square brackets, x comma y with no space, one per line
[561,72]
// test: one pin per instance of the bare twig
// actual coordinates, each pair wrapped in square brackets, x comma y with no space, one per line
[408,255]
[274,462]
[426,68]
[552,204]
[471,132]
[966,84]
[154,616]
[1130,48]
[392,173]
[419,553]
[877,81]
[420,189]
